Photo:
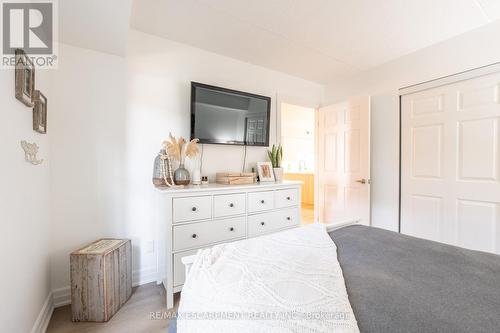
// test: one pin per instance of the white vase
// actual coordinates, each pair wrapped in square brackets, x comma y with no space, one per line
[278,174]
[196,177]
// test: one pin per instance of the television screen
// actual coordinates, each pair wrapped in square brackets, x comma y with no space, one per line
[224,116]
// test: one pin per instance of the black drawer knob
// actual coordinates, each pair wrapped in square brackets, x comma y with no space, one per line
[288,198]
[194,236]
[288,218]
[231,205]
[231,229]
[193,209]
[262,223]
[262,201]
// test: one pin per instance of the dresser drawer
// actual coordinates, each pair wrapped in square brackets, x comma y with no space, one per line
[179,269]
[272,221]
[287,217]
[203,233]
[286,198]
[192,208]
[229,204]
[262,223]
[260,201]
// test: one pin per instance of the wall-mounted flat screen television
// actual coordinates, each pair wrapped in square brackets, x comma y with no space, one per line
[224,116]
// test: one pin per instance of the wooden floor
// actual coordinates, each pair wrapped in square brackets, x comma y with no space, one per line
[134,316]
[307,214]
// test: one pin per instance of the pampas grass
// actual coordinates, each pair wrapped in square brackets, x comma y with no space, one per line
[175,147]
[192,148]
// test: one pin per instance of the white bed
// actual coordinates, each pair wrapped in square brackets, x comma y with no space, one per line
[285,282]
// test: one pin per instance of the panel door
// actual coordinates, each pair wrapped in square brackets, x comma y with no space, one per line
[255,130]
[344,162]
[450,190]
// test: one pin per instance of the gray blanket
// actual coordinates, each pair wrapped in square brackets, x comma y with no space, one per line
[398,283]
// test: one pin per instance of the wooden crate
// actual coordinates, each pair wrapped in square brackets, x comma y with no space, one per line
[101,279]
[237,178]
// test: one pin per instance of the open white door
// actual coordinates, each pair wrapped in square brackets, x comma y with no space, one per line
[344,162]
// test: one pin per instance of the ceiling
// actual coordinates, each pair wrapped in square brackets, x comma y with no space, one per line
[318,40]
[101,25]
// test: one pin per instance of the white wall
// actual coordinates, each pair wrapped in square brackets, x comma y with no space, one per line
[110,117]
[160,72]
[88,140]
[24,209]
[471,50]
[384,145]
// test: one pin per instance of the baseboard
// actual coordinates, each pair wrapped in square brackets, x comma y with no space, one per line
[62,296]
[341,224]
[144,276]
[43,319]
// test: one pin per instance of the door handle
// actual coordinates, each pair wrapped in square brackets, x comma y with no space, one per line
[363,181]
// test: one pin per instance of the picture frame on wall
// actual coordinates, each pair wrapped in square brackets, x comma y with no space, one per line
[39,112]
[265,170]
[24,78]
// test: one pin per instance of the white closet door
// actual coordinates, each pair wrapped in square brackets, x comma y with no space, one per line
[450,186]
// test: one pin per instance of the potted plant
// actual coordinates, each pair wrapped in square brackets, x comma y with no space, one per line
[276,156]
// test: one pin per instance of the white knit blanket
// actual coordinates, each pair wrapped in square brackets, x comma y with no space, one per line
[290,281]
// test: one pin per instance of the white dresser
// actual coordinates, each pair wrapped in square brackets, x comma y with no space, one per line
[197,217]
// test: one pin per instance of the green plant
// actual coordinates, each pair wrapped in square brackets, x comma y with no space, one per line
[276,155]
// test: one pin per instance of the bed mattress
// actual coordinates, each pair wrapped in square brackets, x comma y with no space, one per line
[398,283]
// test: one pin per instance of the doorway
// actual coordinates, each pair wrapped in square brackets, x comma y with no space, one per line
[298,141]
